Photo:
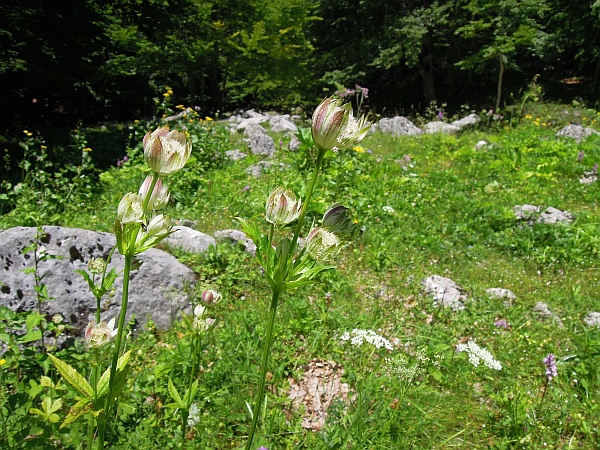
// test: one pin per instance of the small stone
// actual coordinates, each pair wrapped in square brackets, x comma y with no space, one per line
[592,319]
[445,292]
[543,312]
[500,293]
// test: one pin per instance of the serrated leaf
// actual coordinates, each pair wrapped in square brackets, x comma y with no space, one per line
[72,377]
[77,410]
[33,335]
[174,394]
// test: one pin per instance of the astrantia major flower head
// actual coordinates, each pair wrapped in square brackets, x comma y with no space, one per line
[322,244]
[334,127]
[98,335]
[159,196]
[282,207]
[130,209]
[210,296]
[166,151]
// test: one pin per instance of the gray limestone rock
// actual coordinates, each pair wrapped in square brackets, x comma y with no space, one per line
[445,292]
[281,124]
[542,311]
[156,288]
[592,319]
[500,293]
[471,119]
[398,126]
[235,155]
[577,132]
[261,144]
[589,177]
[440,127]
[236,236]
[189,240]
[534,214]
[256,170]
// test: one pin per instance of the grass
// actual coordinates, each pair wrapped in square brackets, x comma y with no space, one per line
[422,206]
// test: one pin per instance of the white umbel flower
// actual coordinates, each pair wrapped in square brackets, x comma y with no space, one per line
[358,337]
[478,355]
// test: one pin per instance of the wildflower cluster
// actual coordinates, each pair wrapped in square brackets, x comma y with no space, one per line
[138,227]
[358,337]
[478,355]
[285,265]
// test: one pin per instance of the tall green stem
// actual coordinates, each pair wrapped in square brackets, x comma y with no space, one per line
[116,351]
[263,369]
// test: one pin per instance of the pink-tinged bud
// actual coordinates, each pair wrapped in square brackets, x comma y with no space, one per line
[282,207]
[322,244]
[130,209]
[98,335]
[166,151]
[160,194]
[209,296]
[334,127]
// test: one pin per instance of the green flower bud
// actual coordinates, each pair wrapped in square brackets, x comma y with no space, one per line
[282,207]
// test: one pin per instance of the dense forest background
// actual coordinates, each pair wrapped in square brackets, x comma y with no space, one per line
[63,61]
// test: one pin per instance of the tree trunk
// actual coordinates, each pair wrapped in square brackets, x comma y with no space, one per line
[500,76]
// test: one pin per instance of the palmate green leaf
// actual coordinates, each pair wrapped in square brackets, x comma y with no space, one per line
[175,395]
[73,377]
[49,410]
[80,408]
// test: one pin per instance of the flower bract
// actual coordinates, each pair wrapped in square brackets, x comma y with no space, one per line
[166,151]
[334,127]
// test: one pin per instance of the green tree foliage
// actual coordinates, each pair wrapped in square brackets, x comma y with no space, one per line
[500,29]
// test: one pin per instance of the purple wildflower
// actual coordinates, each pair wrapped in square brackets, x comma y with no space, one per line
[580,156]
[550,367]
[595,169]
[120,162]
[263,448]
[501,323]
[364,90]
[246,188]
[440,115]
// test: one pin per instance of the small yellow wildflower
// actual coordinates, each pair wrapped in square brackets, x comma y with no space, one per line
[43,147]
[355,221]
[180,107]
[25,131]
[358,149]
[87,149]
[136,121]
[166,95]
[2,361]
[529,116]
[208,119]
